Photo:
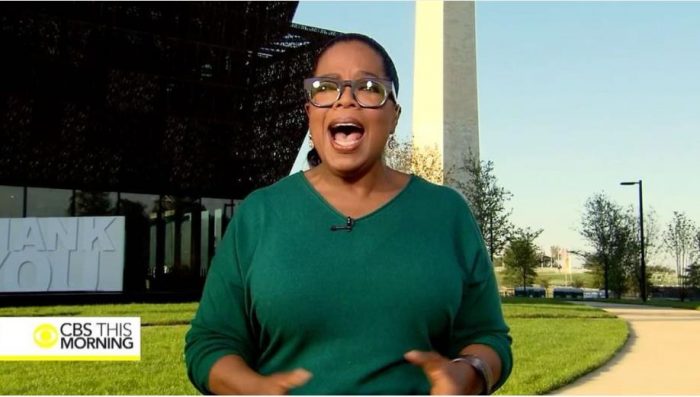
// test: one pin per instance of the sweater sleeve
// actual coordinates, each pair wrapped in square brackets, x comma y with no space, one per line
[220,326]
[479,319]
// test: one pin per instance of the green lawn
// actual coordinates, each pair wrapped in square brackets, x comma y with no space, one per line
[151,314]
[690,305]
[554,343]
[161,369]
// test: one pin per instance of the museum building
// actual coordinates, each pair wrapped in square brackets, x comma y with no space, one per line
[129,132]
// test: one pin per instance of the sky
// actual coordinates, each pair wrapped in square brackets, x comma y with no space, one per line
[574,98]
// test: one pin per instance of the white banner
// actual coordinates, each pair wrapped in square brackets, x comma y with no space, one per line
[62,254]
[70,338]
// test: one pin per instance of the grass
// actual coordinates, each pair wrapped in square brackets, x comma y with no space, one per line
[554,343]
[549,309]
[690,305]
[161,370]
[151,314]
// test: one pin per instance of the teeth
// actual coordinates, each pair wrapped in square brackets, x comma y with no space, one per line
[346,125]
[346,135]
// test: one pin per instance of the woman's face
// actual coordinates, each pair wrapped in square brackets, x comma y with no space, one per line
[351,139]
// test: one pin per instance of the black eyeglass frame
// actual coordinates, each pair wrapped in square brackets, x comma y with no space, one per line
[354,85]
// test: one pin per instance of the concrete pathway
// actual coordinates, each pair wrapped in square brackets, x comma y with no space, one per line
[662,355]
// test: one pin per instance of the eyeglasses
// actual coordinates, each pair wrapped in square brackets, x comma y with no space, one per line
[372,92]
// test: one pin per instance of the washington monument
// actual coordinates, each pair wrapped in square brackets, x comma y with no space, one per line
[444,86]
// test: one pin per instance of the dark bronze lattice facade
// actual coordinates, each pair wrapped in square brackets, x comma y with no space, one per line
[197,99]
[163,113]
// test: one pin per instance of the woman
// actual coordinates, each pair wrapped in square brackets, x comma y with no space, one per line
[350,278]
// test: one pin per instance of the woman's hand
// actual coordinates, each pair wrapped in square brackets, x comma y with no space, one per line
[282,382]
[445,376]
[231,375]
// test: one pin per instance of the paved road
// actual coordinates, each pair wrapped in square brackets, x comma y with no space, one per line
[662,355]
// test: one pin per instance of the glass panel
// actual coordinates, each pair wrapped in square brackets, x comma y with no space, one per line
[170,241]
[218,226]
[186,242]
[178,241]
[211,204]
[152,248]
[95,203]
[212,226]
[141,217]
[42,202]
[147,202]
[11,201]
[205,248]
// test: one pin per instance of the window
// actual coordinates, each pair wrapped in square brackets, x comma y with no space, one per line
[94,203]
[11,201]
[43,202]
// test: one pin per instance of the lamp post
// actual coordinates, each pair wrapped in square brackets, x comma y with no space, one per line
[643,281]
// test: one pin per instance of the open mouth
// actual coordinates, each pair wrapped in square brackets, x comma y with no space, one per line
[346,134]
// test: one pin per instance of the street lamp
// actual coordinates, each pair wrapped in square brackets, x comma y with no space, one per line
[643,282]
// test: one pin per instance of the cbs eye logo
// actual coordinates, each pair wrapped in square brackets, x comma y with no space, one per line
[45,336]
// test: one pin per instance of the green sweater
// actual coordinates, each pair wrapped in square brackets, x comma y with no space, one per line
[286,292]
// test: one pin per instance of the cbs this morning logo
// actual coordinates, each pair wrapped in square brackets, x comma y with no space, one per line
[45,336]
[70,338]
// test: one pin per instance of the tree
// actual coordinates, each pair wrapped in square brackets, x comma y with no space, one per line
[693,271]
[678,238]
[400,157]
[85,203]
[632,261]
[423,161]
[692,276]
[427,163]
[659,275]
[521,258]
[487,200]
[543,282]
[652,246]
[610,234]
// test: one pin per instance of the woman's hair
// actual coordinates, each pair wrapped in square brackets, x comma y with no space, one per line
[389,70]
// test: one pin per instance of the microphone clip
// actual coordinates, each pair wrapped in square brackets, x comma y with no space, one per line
[349,223]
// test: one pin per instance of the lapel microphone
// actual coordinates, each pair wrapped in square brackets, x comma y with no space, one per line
[349,223]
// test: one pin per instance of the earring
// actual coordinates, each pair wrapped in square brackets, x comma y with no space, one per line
[392,144]
[311,142]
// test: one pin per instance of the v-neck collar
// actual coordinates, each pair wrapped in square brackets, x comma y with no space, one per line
[335,211]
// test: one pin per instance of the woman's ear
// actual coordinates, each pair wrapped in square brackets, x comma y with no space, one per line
[306,108]
[397,114]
